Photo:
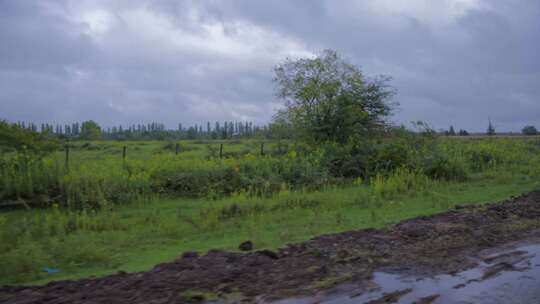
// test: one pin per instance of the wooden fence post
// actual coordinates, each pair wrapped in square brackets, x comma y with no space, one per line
[124,150]
[177,148]
[67,156]
[220,150]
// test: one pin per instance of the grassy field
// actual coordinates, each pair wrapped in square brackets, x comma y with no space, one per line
[115,215]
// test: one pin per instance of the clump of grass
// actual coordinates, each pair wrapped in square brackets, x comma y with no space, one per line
[403,180]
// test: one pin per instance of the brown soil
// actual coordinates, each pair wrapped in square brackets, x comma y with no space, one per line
[442,243]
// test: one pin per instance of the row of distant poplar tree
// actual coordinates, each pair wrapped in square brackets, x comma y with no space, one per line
[91,130]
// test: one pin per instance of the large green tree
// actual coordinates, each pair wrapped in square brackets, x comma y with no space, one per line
[90,130]
[329,99]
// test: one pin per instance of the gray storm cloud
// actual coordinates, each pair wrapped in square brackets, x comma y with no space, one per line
[119,62]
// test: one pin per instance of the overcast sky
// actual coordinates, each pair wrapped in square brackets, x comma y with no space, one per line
[119,62]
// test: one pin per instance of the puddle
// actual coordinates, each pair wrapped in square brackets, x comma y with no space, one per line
[509,275]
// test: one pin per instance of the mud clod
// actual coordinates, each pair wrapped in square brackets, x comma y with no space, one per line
[246,246]
[268,253]
[190,255]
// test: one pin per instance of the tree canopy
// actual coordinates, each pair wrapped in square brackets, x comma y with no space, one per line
[329,99]
[90,130]
[529,130]
[451,131]
[491,129]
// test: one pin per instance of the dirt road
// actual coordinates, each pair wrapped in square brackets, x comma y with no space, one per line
[374,266]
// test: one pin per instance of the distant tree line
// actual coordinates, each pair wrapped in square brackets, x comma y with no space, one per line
[90,130]
[452,132]
[527,130]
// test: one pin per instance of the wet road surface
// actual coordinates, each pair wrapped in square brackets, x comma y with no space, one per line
[509,275]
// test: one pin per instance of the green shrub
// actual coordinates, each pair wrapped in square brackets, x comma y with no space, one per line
[15,138]
[440,166]
[390,155]
[347,161]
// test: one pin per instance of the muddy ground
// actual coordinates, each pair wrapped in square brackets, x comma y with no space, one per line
[441,244]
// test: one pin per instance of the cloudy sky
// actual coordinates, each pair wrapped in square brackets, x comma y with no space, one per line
[120,62]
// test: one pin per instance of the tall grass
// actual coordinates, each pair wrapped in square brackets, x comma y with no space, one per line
[403,180]
[98,179]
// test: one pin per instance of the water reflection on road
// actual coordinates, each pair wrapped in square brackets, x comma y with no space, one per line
[507,275]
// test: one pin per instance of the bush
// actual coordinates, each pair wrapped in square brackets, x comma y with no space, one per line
[349,161]
[198,182]
[25,141]
[529,130]
[390,155]
[440,166]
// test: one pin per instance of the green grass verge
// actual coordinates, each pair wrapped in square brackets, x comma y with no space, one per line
[135,238]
